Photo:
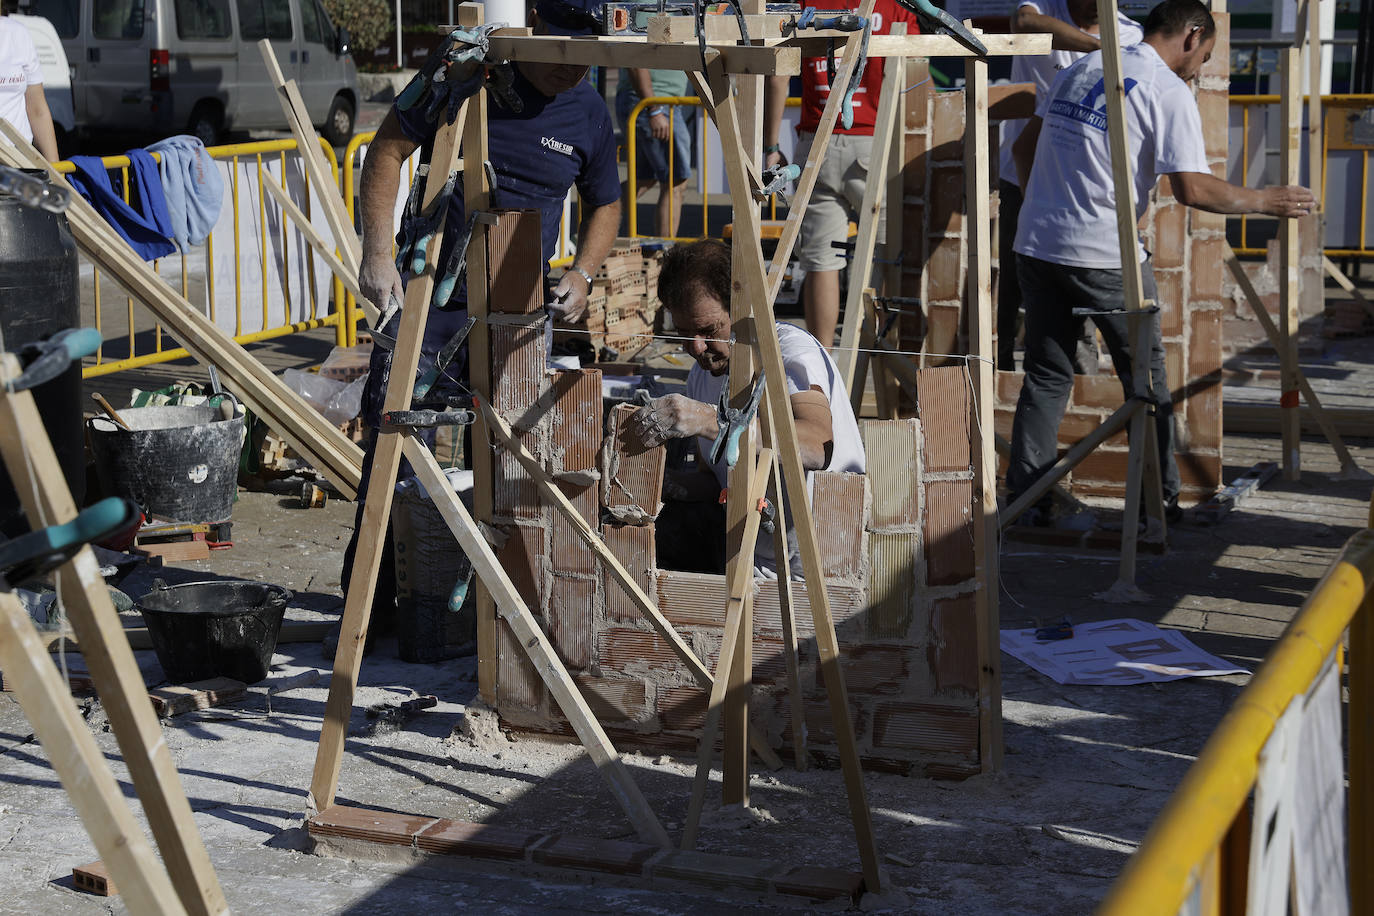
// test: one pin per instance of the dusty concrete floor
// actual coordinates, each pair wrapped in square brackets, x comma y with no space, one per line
[1086,768]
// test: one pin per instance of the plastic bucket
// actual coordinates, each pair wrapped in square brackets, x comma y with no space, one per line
[177,463]
[227,628]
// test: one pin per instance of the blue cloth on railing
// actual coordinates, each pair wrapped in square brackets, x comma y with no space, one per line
[147,230]
[194,188]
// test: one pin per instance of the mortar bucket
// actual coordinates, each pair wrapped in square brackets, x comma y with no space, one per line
[176,463]
[227,628]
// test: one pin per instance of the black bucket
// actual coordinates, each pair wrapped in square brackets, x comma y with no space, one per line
[227,628]
[178,463]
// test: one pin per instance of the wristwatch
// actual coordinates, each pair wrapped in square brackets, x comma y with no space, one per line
[585,276]
[772,148]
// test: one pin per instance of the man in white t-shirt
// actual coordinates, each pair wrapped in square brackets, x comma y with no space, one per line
[1066,244]
[22,101]
[1073,25]
[695,286]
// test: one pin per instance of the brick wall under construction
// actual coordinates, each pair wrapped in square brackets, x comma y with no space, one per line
[897,547]
[1187,247]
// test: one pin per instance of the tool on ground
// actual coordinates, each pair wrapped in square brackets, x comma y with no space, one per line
[391,715]
[936,21]
[428,419]
[45,360]
[1061,630]
[33,554]
[433,86]
[109,410]
[733,422]
[442,360]
[776,179]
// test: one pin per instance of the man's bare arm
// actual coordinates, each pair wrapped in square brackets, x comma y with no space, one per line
[774,101]
[1066,35]
[1023,151]
[381,180]
[595,237]
[1207,192]
[40,121]
[815,430]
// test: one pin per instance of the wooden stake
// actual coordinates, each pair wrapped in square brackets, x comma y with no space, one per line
[80,765]
[1315,157]
[890,116]
[348,277]
[386,462]
[555,497]
[1290,270]
[979,374]
[1344,283]
[786,611]
[528,634]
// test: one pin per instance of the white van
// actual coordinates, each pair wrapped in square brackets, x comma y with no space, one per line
[193,66]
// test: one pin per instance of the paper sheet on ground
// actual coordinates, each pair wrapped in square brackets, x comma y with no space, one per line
[1112,652]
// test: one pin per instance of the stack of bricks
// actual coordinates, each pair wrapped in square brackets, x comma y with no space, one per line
[1242,331]
[1187,244]
[623,304]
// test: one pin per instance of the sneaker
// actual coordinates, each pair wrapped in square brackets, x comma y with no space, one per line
[1036,517]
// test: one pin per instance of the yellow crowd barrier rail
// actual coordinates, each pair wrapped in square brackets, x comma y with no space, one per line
[1256,112]
[1190,854]
[275,304]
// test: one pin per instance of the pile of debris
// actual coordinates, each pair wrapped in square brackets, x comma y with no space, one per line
[623,305]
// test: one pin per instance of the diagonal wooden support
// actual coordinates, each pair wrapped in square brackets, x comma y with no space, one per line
[537,646]
[386,462]
[349,278]
[891,117]
[80,765]
[1344,283]
[555,497]
[1271,331]
[786,607]
[754,285]
[42,490]
[739,586]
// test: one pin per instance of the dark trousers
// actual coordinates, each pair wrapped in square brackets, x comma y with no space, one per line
[1051,292]
[1008,284]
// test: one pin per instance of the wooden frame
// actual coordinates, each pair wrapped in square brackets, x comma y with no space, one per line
[1290,269]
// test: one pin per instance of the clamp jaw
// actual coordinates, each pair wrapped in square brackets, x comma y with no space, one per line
[732,422]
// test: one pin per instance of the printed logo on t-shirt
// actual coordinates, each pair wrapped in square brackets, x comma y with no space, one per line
[1086,110]
[557,145]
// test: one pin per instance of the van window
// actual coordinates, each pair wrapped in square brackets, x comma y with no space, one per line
[259,19]
[65,15]
[117,19]
[202,19]
[310,22]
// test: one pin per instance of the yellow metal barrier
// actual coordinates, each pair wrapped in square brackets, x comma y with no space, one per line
[1330,103]
[159,354]
[1184,848]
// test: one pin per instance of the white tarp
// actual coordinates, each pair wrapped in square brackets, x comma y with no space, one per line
[1114,652]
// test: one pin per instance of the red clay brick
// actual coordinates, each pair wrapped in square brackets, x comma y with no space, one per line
[385,827]
[949,531]
[891,583]
[634,548]
[629,650]
[515,262]
[1097,391]
[517,365]
[638,477]
[94,878]
[918,99]
[1102,465]
[683,708]
[484,841]
[1220,63]
[947,126]
[873,670]
[943,402]
[576,428]
[515,495]
[1171,236]
[893,450]
[927,727]
[1169,284]
[1215,110]
[517,681]
[572,618]
[916,161]
[613,856]
[946,200]
[838,503]
[1205,270]
[913,226]
[953,651]
[614,699]
[1200,471]
[820,883]
[1077,423]
[942,333]
[1204,414]
[1008,386]
[574,556]
[945,274]
[521,557]
[1204,343]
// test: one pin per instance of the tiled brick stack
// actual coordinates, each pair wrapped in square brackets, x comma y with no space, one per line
[623,304]
[1242,332]
[1187,245]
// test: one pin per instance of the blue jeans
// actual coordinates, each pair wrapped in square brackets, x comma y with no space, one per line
[1050,293]
[653,154]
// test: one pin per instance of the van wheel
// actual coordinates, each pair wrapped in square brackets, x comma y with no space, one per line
[338,126]
[206,123]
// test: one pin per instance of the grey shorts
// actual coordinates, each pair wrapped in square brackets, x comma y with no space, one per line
[837,199]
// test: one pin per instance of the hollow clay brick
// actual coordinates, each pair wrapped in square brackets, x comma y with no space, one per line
[635,477]
[576,415]
[838,503]
[946,199]
[943,403]
[891,583]
[893,452]
[634,548]
[948,538]
[614,699]
[515,262]
[927,727]
[572,605]
[952,653]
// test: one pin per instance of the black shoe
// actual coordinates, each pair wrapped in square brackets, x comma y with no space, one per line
[1173,512]
[1036,517]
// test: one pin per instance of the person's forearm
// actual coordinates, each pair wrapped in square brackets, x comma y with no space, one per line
[1207,192]
[381,181]
[595,237]
[40,122]
[643,85]
[1065,35]
[774,101]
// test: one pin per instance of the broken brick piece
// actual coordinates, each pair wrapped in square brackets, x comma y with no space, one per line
[386,827]
[633,476]
[487,841]
[614,856]
[179,698]
[94,879]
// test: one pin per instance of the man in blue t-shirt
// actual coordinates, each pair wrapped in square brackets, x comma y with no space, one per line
[561,137]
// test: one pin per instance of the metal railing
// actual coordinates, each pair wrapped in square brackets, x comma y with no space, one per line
[632,158]
[1256,130]
[1197,838]
[272,325]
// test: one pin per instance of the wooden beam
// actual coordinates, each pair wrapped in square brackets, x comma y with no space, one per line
[891,112]
[555,497]
[80,765]
[977,223]
[1290,269]
[739,586]
[602,51]
[786,605]
[1036,44]
[1315,152]
[381,487]
[322,248]
[719,28]
[536,645]
[1344,283]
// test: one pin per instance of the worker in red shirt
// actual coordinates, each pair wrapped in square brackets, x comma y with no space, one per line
[839,190]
